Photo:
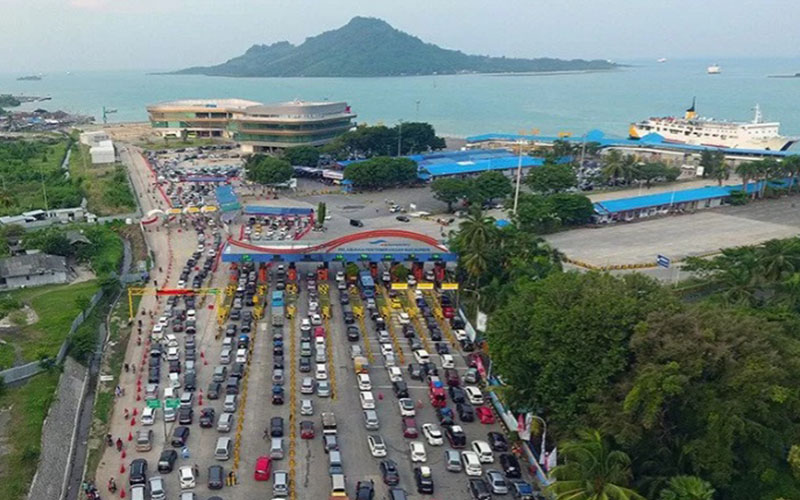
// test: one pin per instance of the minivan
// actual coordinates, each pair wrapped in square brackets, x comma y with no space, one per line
[225,422]
[144,440]
[187,399]
[338,486]
[223,449]
[230,403]
[280,483]
[220,374]
[276,448]
[335,462]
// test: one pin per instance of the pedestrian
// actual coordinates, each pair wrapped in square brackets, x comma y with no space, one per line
[127,368]
[196,470]
[119,444]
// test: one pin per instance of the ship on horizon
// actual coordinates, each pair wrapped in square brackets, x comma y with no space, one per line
[699,131]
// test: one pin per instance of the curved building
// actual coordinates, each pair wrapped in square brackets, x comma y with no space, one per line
[257,127]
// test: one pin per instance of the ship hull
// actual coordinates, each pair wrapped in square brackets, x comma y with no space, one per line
[777,143]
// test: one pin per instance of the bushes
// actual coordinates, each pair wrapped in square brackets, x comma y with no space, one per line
[381,172]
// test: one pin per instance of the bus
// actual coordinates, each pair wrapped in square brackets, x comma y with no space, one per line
[367,284]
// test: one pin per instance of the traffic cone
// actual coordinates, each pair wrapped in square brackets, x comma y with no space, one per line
[200,400]
[205,362]
[130,436]
[135,412]
[122,493]
[138,397]
[133,421]
[123,455]
[122,468]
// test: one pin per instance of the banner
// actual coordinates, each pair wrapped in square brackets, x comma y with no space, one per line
[552,460]
[449,286]
[524,427]
[481,323]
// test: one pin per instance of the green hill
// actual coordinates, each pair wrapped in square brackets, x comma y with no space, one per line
[371,47]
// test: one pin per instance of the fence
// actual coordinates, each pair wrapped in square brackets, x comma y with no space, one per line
[22,372]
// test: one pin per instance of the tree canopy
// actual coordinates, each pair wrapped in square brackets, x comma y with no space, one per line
[450,190]
[489,185]
[306,156]
[379,140]
[381,172]
[265,169]
[551,178]
[546,214]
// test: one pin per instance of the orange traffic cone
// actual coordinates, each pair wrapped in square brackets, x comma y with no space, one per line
[133,421]
[200,400]
[135,412]
[122,468]
[130,436]
[122,493]
[123,455]
[138,397]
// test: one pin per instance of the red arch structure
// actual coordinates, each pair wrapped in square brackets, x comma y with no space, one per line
[329,247]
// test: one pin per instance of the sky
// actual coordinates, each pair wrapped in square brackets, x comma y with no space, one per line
[50,35]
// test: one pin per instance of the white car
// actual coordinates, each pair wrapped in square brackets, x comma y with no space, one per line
[376,445]
[367,400]
[472,465]
[339,276]
[484,452]
[316,319]
[322,372]
[460,334]
[186,475]
[241,355]
[171,340]
[474,395]
[173,354]
[163,320]
[422,356]
[149,415]
[404,318]
[448,361]
[213,253]
[306,407]
[364,383]
[433,434]
[411,280]
[387,349]
[395,374]
[417,451]
[305,325]
[407,408]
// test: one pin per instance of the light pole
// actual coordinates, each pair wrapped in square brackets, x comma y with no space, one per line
[399,136]
[519,176]
[544,438]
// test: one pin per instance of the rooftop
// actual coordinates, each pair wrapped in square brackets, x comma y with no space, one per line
[31,265]
[209,103]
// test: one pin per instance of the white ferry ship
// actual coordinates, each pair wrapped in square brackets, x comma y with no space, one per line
[694,130]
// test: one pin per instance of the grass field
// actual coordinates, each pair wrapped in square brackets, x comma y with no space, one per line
[177,143]
[57,307]
[105,186]
[23,432]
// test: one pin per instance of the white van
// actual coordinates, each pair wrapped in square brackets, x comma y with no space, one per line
[158,333]
[223,448]
[225,422]
[174,380]
[367,400]
[484,452]
[225,357]
[472,465]
[276,448]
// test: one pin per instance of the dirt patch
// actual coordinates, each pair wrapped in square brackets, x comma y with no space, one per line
[30,317]
[5,419]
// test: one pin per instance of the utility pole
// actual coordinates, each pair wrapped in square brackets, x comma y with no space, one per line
[44,190]
[399,136]
[519,177]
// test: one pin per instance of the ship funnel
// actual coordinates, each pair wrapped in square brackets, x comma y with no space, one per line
[691,113]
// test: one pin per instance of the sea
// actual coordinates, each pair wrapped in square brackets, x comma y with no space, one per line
[463,105]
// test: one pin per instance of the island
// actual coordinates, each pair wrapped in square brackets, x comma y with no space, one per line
[369,47]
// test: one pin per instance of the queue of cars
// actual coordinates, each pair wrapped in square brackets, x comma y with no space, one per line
[275,227]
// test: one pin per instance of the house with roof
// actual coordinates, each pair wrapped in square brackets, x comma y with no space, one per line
[22,271]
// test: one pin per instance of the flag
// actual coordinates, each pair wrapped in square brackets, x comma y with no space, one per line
[481,323]
[552,459]
[525,426]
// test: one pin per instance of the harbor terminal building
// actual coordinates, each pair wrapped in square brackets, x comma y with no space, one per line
[257,127]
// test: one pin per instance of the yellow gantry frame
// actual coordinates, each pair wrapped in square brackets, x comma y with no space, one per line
[142,291]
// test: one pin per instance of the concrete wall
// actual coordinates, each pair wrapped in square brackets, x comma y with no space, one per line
[37,280]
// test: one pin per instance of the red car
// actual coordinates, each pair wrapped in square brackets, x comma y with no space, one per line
[485,415]
[410,428]
[262,469]
[307,429]
[319,331]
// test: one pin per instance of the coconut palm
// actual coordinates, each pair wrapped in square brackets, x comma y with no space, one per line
[593,471]
[779,259]
[475,242]
[687,488]
[613,165]
[721,171]
[747,171]
[791,165]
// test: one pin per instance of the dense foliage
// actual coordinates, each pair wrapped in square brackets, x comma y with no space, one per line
[551,178]
[306,156]
[368,141]
[548,213]
[9,101]
[265,169]
[381,172]
[371,47]
[482,189]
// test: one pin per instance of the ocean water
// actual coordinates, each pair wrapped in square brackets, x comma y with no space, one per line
[463,105]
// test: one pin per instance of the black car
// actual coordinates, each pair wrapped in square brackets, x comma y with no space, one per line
[153,375]
[231,330]
[467,345]
[185,416]
[348,317]
[238,370]
[304,365]
[389,472]
[455,436]
[436,334]
[190,382]
[215,477]
[465,412]
[344,299]
[179,436]
[409,332]
[400,389]
[457,323]
[276,427]
[497,441]
[415,371]
[175,366]
[365,490]
[457,394]
[424,480]
[430,369]
[166,462]
[213,390]
[207,417]
[277,350]
[404,218]
[353,333]
[479,489]
[441,348]
[138,472]
[232,386]
[277,362]
[236,315]
[510,466]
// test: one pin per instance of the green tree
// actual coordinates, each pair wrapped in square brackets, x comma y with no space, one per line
[381,172]
[593,471]
[268,170]
[614,166]
[491,184]
[307,156]
[450,190]
[687,488]
[747,171]
[572,209]
[322,211]
[551,178]
[476,237]
[351,270]
[649,172]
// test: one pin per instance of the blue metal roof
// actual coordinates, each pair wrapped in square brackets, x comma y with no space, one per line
[471,167]
[263,210]
[227,198]
[653,140]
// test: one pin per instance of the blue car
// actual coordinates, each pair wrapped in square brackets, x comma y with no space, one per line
[521,490]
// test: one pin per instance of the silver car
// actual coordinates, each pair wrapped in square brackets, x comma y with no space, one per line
[306,407]
[452,460]
[497,482]
[324,389]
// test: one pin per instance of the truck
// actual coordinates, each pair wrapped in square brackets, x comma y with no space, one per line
[328,422]
[361,364]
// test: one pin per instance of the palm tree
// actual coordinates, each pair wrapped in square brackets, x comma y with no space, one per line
[475,242]
[593,471]
[779,259]
[687,488]
[791,165]
[613,165]
[721,171]
[746,171]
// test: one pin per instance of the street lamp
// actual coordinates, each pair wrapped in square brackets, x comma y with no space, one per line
[399,136]
[519,176]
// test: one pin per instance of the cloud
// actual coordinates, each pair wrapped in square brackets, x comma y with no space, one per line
[88,4]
